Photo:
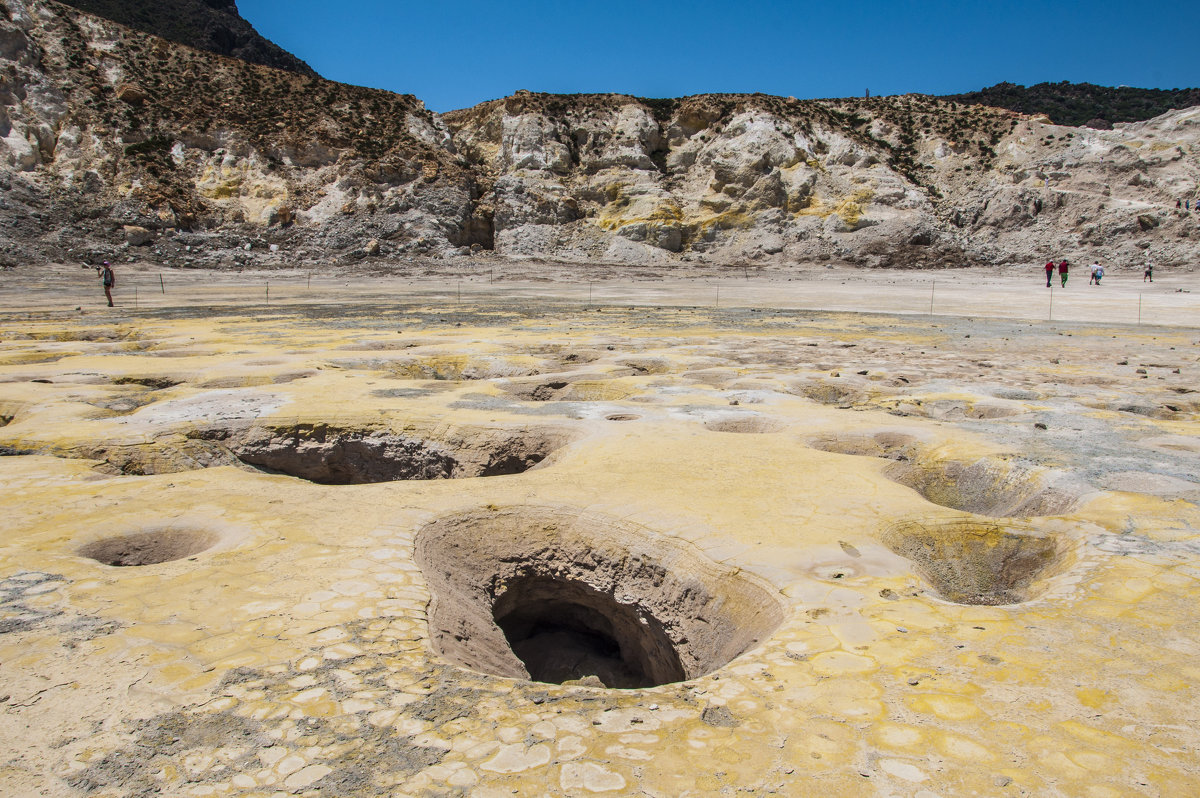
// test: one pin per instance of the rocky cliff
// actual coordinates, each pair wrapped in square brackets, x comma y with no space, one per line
[110,138]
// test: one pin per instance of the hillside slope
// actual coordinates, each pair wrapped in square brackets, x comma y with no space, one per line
[213,25]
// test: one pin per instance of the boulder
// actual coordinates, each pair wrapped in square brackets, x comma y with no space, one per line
[663,235]
[131,93]
[281,215]
[136,236]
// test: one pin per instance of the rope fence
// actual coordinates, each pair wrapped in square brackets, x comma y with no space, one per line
[1120,300]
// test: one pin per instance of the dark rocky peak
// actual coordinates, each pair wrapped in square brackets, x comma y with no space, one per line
[212,25]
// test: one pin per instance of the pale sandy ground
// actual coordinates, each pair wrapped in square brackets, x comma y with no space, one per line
[1172,299]
[864,469]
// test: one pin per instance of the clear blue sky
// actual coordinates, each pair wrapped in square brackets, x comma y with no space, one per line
[456,54]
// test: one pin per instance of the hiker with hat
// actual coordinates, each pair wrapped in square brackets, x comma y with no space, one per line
[105,272]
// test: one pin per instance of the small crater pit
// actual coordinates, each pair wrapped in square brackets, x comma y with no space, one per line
[622,417]
[149,548]
[459,368]
[9,411]
[750,425]
[645,366]
[123,405]
[557,596]
[332,455]
[153,383]
[169,455]
[973,562]
[988,486]
[547,391]
[828,393]
[984,412]
[578,357]
[883,443]
[570,388]
[712,377]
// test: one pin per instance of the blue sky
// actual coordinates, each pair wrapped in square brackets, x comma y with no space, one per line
[454,55]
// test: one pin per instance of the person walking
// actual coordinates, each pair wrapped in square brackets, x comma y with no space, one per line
[1099,273]
[1049,271]
[105,272]
[1148,274]
[1062,273]
[1092,273]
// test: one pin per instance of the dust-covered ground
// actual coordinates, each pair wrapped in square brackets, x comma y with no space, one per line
[311,534]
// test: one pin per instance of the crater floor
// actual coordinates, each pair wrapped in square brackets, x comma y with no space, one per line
[893,555]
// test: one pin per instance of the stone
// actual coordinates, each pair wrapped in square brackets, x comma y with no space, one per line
[516,758]
[718,716]
[282,215]
[306,776]
[137,236]
[131,93]
[589,776]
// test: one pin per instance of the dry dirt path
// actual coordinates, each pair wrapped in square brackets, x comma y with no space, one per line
[1173,299]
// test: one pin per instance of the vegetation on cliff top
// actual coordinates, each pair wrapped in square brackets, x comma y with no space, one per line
[1082,103]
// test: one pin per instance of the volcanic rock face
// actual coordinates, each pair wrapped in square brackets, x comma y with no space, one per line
[907,181]
[105,129]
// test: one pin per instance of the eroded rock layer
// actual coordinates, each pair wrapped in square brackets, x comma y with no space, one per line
[115,141]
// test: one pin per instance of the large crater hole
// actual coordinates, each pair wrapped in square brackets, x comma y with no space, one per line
[149,548]
[557,596]
[333,455]
[563,630]
[973,562]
